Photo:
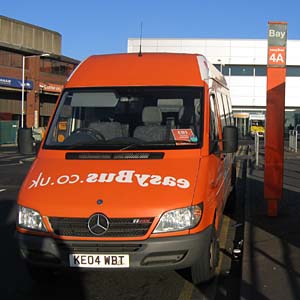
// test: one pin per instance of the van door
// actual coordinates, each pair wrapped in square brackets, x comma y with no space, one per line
[217,157]
[226,120]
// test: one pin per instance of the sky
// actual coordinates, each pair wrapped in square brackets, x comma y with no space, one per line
[100,27]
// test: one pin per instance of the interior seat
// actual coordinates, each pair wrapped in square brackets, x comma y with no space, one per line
[151,130]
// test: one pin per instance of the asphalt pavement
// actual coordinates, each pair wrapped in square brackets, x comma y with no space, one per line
[271,245]
[16,283]
[10,155]
[271,252]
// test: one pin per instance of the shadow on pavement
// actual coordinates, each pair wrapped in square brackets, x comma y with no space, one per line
[15,279]
[271,263]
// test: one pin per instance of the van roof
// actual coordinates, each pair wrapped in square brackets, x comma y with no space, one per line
[130,69]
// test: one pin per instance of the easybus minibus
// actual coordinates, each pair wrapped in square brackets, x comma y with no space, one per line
[134,171]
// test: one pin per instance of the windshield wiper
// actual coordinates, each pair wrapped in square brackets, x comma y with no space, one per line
[166,143]
[121,147]
[184,142]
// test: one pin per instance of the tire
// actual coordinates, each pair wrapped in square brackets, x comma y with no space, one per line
[204,269]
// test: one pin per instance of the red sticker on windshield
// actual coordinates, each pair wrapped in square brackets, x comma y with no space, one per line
[183,135]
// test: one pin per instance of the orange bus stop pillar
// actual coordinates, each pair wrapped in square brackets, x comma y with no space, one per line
[274,146]
[274,143]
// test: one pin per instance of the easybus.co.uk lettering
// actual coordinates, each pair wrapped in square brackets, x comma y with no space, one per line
[123,176]
[44,181]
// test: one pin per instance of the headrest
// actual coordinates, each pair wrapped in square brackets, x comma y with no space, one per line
[151,114]
[186,114]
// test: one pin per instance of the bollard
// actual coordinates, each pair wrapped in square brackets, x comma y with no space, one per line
[290,140]
[293,140]
[25,141]
[296,138]
[256,142]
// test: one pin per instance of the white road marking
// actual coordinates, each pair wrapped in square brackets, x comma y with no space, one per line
[12,164]
[2,190]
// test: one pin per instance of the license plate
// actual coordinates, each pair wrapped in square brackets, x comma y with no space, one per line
[99,260]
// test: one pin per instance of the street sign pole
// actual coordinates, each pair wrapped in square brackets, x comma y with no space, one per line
[274,144]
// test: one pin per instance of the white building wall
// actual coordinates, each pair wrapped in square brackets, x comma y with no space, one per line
[246,91]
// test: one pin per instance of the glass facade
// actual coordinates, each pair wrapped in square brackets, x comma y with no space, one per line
[255,70]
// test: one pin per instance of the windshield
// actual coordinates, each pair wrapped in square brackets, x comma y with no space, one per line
[128,118]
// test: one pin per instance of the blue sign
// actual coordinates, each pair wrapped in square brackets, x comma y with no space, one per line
[15,83]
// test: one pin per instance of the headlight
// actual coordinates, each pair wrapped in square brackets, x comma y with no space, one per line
[30,219]
[180,219]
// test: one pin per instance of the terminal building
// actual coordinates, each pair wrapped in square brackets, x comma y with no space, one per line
[32,55]
[32,74]
[243,62]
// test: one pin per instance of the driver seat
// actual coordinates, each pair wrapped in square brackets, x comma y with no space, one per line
[109,130]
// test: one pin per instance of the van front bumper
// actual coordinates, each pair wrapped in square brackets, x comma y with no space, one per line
[170,253]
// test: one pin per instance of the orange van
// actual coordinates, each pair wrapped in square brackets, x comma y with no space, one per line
[134,170]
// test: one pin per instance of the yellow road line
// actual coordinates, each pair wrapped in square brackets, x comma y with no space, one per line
[187,291]
[188,287]
[223,239]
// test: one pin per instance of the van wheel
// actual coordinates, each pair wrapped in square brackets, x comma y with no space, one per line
[204,269]
[42,275]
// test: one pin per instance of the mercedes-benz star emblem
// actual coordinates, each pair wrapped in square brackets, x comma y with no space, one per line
[98,224]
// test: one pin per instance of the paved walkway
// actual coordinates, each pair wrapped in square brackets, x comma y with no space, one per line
[271,254]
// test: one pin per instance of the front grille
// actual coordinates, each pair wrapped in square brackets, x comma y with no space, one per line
[113,155]
[91,247]
[129,227]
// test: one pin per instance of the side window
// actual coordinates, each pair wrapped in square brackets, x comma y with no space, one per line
[227,110]
[221,110]
[214,125]
[230,110]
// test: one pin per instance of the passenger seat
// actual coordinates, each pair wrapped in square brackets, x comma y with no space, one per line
[152,130]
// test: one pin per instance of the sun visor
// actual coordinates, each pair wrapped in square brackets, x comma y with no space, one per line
[94,99]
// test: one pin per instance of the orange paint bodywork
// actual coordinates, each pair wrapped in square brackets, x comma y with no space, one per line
[56,187]
[133,70]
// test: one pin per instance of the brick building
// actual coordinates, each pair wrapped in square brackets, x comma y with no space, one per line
[31,55]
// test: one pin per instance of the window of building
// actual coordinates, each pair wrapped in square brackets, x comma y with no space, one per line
[5,58]
[260,70]
[16,60]
[223,69]
[242,70]
[293,71]
[56,67]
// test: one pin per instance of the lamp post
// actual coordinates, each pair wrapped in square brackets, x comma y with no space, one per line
[23,91]
[23,83]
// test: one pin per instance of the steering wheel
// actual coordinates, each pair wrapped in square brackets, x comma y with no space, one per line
[96,135]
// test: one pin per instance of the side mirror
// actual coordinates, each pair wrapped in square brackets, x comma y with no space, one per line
[230,139]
